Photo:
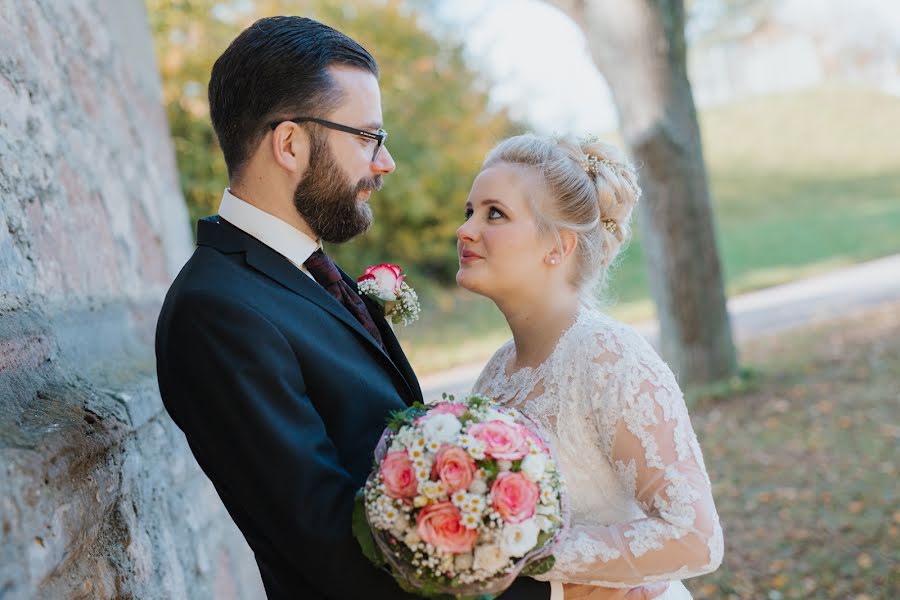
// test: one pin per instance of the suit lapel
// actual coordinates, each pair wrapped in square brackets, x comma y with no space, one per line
[229,239]
[391,343]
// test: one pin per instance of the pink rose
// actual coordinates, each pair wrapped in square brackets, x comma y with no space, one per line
[514,496]
[398,475]
[536,441]
[441,526]
[387,278]
[454,467]
[444,408]
[502,440]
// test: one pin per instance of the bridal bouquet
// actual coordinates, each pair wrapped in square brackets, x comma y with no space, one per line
[463,498]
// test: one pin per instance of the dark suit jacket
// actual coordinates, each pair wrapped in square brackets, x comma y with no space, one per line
[282,396]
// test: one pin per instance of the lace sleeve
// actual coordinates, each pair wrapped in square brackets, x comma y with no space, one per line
[645,432]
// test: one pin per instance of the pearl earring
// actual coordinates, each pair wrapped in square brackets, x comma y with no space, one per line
[553,261]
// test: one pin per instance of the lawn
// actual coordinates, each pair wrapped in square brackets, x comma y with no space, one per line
[802,184]
[804,467]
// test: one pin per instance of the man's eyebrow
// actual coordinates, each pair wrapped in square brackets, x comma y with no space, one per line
[374,125]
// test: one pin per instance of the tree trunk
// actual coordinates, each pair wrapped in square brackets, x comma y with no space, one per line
[639,47]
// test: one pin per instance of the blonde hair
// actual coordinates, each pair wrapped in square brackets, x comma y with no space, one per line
[590,189]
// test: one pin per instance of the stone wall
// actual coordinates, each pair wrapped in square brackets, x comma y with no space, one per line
[99,494]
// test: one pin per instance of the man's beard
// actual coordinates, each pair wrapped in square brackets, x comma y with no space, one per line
[327,201]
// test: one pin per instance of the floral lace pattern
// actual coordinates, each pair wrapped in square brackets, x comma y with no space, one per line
[641,505]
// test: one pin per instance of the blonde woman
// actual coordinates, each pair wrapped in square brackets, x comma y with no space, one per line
[543,222]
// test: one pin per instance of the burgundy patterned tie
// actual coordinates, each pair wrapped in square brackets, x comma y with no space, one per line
[327,275]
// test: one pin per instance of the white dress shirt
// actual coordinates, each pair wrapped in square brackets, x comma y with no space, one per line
[280,236]
[556,590]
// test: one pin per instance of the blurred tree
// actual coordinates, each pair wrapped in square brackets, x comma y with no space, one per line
[715,21]
[639,47]
[435,108]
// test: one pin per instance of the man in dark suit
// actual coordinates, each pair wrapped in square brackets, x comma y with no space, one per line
[278,373]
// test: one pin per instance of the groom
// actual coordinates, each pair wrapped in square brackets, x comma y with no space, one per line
[278,373]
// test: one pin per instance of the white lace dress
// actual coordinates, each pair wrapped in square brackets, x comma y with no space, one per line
[641,506]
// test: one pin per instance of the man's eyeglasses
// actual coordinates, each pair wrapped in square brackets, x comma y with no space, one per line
[378,136]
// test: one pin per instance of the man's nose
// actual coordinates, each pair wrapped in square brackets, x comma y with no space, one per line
[384,164]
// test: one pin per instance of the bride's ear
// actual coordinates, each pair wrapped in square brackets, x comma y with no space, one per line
[568,241]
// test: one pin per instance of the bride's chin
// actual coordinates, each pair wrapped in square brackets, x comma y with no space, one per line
[464,280]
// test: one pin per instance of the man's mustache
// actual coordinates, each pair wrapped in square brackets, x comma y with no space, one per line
[372,184]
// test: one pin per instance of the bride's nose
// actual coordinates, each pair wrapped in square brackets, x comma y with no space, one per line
[467,231]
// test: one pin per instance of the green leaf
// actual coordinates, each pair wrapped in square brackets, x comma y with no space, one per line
[361,531]
[489,465]
[399,418]
[539,567]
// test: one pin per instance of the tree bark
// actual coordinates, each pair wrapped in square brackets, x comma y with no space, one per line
[639,47]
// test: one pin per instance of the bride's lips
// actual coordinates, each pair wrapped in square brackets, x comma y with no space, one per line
[467,256]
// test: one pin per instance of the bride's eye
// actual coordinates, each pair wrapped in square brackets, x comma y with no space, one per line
[468,214]
[495,214]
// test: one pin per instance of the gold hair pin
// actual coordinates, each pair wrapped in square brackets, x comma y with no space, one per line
[592,164]
[611,225]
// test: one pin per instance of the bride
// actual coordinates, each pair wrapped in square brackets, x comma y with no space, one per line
[544,220]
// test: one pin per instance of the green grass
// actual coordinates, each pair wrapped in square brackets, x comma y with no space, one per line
[802,184]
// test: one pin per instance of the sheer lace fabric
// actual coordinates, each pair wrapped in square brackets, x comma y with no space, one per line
[640,499]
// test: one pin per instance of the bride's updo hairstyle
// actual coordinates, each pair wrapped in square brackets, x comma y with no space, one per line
[589,188]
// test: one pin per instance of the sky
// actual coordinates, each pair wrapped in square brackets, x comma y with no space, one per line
[539,63]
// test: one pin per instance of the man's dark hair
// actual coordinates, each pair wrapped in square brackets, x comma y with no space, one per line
[276,69]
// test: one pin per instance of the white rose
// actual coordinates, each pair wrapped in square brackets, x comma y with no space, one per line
[463,562]
[489,558]
[533,466]
[517,539]
[441,429]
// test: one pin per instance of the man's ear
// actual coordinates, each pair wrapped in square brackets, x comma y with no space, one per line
[289,147]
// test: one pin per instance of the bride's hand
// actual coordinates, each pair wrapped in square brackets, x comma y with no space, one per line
[589,592]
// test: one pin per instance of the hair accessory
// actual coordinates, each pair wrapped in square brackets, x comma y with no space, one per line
[611,225]
[592,164]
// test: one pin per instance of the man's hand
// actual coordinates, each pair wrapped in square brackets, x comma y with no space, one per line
[590,592]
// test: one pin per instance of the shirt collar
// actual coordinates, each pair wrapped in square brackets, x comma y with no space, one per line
[278,235]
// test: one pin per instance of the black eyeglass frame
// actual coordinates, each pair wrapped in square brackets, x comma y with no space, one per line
[379,136]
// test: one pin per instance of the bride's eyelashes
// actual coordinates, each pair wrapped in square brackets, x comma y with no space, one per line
[491,214]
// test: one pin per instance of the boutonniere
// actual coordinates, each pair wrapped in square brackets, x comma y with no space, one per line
[384,284]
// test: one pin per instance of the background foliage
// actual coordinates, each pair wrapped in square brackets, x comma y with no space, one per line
[435,109]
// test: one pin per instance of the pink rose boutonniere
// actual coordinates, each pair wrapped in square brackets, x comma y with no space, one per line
[385,284]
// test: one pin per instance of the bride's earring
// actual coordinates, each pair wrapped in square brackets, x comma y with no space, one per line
[553,260]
